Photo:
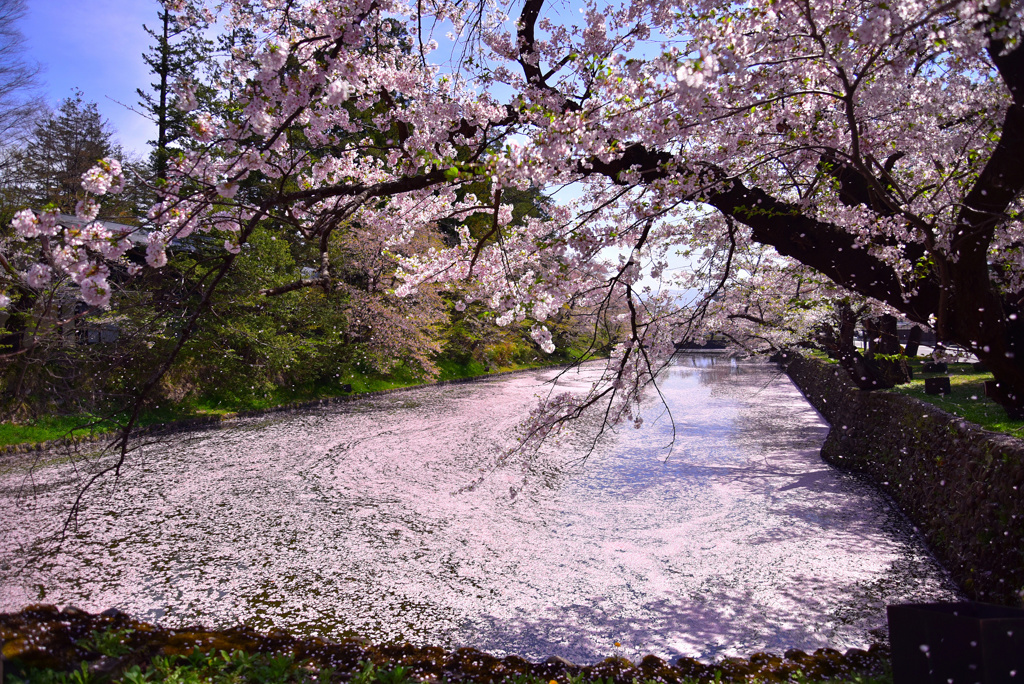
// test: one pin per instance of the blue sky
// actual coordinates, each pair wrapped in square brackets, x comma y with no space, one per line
[96,46]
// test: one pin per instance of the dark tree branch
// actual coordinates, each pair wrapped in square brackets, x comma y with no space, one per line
[824,247]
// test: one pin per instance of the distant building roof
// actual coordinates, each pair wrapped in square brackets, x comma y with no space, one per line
[135,234]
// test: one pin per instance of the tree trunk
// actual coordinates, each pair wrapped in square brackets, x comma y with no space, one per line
[893,371]
[863,370]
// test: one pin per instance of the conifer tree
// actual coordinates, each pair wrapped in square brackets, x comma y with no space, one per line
[63,146]
[178,52]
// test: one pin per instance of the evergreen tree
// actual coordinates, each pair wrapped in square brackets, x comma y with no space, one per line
[62,147]
[178,51]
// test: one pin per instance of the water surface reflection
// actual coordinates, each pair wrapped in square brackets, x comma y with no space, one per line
[348,521]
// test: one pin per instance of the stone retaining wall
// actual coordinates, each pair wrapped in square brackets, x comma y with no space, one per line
[961,485]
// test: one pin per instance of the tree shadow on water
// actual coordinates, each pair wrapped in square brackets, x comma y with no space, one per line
[711,627]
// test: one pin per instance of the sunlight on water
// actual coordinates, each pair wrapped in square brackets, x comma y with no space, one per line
[350,521]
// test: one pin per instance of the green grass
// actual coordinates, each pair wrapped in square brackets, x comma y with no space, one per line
[239,667]
[197,667]
[819,355]
[966,399]
[48,428]
[47,647]
[453,370]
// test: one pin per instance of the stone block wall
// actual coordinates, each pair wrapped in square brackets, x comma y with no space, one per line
[961,485]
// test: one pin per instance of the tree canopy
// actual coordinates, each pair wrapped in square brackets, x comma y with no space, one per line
[872,147]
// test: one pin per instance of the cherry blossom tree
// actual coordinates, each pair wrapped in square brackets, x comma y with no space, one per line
[773,304]
[875,144]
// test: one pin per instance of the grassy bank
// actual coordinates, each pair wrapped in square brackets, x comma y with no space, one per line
[45,646]
[239,668]
[56,427]
[966,398]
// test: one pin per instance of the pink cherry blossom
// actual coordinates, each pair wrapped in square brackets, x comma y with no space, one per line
[185,97]
[95,291]
[25,223]
[542,336]
[156,251]
[87,209]
[38,276]
[105,177]
[227,190]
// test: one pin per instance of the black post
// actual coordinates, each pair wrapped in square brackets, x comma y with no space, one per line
[914,341]
[963,643]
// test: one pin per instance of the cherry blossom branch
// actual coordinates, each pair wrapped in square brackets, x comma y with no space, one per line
[122,441]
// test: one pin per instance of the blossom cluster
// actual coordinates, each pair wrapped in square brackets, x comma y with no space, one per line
[106,176]
[79,252]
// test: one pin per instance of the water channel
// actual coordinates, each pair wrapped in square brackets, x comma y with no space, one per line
[356,519]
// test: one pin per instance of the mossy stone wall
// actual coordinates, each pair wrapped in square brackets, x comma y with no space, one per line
[962,486]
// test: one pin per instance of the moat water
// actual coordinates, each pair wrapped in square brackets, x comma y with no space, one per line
[356,519]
